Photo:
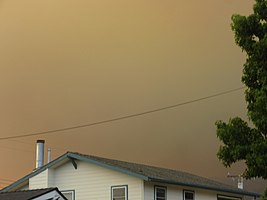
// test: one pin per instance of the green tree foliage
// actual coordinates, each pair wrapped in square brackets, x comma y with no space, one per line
[264,196]
[240,141]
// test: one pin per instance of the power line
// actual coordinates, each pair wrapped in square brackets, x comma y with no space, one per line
[122,117]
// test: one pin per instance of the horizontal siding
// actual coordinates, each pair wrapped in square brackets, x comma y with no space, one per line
[93,182]
[205,195]
[176,192]
[39,181]
[50,177]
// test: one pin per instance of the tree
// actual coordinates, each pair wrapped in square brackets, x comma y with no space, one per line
[264,196]
[241,141]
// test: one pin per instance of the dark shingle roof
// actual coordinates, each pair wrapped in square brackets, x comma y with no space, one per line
[170,176]
[24,194]
[145,172]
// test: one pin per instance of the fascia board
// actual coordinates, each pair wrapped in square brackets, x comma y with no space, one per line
[252,194]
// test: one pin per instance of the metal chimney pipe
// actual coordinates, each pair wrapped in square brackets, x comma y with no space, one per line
[39,153]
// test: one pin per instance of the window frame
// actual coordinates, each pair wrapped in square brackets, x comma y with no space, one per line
[69,191]
[120,186]
[160,187]
[188,191]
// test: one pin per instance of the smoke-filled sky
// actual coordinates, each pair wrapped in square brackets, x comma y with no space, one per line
[67,63]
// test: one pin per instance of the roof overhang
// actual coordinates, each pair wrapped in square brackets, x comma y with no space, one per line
[237,191]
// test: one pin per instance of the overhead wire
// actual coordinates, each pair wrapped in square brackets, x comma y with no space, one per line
[122,117]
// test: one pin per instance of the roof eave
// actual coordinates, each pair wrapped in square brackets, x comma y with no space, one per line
[238,192]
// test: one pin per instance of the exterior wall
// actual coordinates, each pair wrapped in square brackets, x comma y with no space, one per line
[42,180]
[50,177]
[172,192]
[39,181]
[88,181]
[176,192]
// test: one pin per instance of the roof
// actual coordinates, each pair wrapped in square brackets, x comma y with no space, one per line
[145,172]
[26,194]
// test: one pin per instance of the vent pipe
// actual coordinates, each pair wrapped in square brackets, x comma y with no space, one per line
[48,155]
[39,153]
[240,183]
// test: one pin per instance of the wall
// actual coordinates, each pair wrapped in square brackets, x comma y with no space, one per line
[176,192]
[89,181]
[39,181]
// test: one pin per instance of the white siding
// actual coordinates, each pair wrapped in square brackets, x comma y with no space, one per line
[173,193]
[176,192]
[206,195]
[39,181]
[50,177]
[91,182]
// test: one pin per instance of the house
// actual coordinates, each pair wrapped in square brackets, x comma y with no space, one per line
[81,177]
[37,194]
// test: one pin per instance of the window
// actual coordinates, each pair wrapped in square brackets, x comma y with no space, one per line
[160,193]
[69,194]
[189,195]
[119,192]
[222,197]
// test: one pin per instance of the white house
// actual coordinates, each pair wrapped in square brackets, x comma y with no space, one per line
[82,177]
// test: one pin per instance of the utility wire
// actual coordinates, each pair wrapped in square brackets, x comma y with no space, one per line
[122,117]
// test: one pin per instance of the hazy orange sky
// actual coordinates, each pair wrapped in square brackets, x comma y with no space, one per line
[66,63]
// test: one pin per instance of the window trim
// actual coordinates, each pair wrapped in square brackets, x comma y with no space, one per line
[69,191]
[160,187]
[119,186]
[228,197]
[189,191]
